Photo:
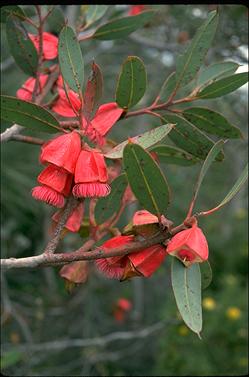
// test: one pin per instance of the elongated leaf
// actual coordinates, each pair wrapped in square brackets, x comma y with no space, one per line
[14,10]
[224,86]
[94,13]
[56,19]
[186,283]
[237,186]
[216,71]
[188,64]
[21,47]
[146,140]
[208,161]
[186,136]
[93,93]
[212,122]
[167,87]
[206,274]
[122,27]
[146,179]
[174,155]
[107,206]
[131,83]
[70,59]
[28,115]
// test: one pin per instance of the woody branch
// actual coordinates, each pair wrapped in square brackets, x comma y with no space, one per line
[84,253]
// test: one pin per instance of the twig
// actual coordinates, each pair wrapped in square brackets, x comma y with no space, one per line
[28,139]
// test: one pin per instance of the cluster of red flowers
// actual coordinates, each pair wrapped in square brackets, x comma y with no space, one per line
[190,246]
[81,171]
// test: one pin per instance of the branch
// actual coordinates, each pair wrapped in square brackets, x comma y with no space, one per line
[97,341]
[45,259]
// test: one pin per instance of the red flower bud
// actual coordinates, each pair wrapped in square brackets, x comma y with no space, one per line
[48,195]
[148,260]
[49,45]
[91,175]
[124,304]
[144,217]
[56,178]
[190,246]
[136,9]
[121,308]
[63,151]
[25,92]
[74,221]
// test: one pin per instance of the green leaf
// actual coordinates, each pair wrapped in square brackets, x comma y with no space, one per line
[186,136]
[208,161]
[167,87]
[188,64]
[146,179]
[21,47]
[237,186]
[122,27]
[224,86]
[10,358]
[56,19]
[14,10]
[146,140]
[212,122]
[70,59]
[173,155]
[215,71]
[109,205]
[186,283]
[94,13]
[206,274]
[132,82]
[28,115]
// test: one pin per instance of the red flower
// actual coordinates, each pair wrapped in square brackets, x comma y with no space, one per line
[91,175]
[74,221]
[56,178]
[190,246]
[105,118]
[49,44]
[48,195]
[62,106]
[25,92]
[121,308]
[63,151]
[136,9]
[141,263]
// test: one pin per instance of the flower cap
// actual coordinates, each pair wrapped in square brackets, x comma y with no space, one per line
[63,151]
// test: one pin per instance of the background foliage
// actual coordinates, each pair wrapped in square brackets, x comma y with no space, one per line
[37,309]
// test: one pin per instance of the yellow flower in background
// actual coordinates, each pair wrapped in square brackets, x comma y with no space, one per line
[241,213]
[209,303]
[183,330]
[243,362]
[231,279]
[233,313]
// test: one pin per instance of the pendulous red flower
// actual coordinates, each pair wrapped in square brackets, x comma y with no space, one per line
[25,92]
[49,44]
[74,221]
[144,217]
[63,151]
[56,178]
[62,106]
[190,246]
[141,263]
[91,175]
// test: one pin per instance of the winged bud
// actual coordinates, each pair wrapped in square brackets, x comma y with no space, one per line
[190,246]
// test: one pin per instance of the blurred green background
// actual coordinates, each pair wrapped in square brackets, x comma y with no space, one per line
[46,330]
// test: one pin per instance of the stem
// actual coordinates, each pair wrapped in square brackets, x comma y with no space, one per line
[51,246]
[40,53]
